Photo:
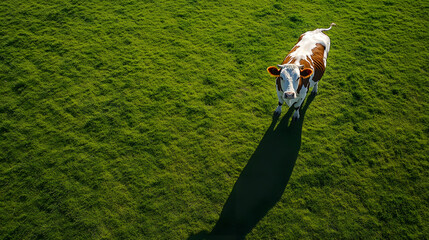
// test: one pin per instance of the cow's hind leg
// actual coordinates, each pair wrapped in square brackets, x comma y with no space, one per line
[296,114]
[314,91]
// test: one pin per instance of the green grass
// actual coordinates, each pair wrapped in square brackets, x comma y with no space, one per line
[153,120]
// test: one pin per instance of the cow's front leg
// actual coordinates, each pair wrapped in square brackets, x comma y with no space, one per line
[281,101]
[278,110]
[297,106]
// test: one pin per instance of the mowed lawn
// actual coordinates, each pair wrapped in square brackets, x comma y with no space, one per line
[154,120]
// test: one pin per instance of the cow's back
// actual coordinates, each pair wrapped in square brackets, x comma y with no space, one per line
[311,50]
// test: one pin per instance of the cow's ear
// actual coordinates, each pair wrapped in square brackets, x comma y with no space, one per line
[306,72]
[273,71]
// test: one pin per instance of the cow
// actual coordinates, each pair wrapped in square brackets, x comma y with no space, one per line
[302,69]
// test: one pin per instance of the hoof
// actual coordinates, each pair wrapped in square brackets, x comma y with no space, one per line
[278,111]
[314,93]
[295,116]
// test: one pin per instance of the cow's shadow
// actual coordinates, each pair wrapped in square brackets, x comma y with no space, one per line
[262,181]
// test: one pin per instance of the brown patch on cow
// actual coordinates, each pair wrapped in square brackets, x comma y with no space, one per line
[304,81]
[288,57]
[306,63]
[318,64]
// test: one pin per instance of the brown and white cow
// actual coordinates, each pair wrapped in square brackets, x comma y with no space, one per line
[302,69]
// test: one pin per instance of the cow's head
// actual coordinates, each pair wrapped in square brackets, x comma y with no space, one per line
[290,75]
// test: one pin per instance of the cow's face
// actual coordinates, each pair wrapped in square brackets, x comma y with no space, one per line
[290,75]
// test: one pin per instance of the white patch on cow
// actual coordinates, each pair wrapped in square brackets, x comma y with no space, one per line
[289,82]
[290,102]
[280,96]
[289,74]
[307,43]
[297,101]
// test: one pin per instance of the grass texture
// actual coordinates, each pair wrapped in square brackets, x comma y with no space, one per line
[154,120]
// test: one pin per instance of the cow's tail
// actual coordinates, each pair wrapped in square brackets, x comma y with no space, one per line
[327,29]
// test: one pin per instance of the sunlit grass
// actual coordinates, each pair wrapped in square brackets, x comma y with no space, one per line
[134,120]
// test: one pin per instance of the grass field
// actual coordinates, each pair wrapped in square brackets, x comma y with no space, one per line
[154,120]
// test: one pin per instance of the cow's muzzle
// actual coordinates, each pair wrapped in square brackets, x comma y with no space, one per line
[289,95]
